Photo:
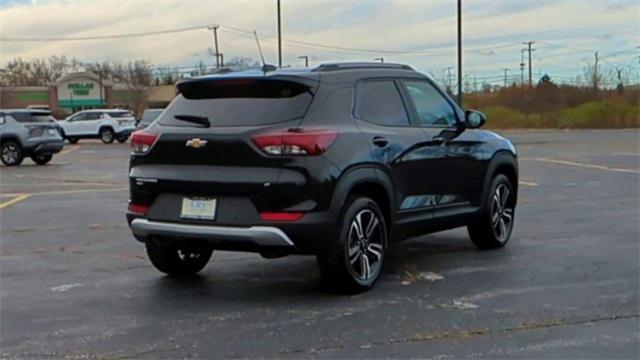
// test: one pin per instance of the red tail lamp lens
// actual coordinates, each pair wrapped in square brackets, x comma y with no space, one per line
[142,141]
[281,216]
[295,142]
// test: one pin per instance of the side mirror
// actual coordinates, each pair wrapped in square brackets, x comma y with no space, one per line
[474,119]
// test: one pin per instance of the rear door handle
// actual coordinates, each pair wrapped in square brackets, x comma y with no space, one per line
[380,141]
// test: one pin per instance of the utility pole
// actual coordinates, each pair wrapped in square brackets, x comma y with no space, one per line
[381,59]
[595,72]
[279,38]
[214,29]
[306,60]
[522,67]
[448,70]
[459,53]
[529,49]
[506,70]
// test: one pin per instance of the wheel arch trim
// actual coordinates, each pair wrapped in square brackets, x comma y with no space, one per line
[500,159]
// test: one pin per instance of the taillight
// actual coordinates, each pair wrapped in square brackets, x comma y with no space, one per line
[35,131]
[281,216]
[295,141]
[139,208]
[142,141]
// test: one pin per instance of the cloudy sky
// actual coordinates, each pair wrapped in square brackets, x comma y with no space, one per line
[419,33]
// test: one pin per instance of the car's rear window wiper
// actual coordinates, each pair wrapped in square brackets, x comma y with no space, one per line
[201,120]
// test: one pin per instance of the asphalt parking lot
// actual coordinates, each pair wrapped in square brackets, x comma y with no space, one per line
[75,284]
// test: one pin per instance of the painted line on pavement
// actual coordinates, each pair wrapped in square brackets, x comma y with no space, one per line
[528,183]
[65,192]
[16,199]
[69,149]
[583,165]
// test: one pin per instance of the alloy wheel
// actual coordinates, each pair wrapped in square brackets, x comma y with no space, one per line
[366,245]
[10,154]
[501,213]
[107,136]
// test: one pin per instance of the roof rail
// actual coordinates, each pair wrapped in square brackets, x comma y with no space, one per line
[360,66]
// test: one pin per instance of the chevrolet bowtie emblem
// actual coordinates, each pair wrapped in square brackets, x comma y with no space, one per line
[196,143]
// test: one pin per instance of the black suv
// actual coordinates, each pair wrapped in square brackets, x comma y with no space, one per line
[338,162]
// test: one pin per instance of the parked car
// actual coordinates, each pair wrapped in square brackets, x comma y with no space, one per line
[148,116]
[28,133]
[104,124]
[39,107]
[337,162]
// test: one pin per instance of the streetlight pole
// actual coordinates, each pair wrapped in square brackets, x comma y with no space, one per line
[460,52]
[215,43]
[306,60]
[279,38]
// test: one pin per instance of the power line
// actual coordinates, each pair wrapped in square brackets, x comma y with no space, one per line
[107,37]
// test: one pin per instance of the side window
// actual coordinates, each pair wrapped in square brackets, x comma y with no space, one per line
[93,116]
[379,102]
[79,117]
[432,108]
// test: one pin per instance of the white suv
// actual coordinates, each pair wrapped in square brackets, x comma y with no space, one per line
[104,124]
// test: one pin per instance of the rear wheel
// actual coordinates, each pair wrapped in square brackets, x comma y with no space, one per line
[178,261]
[107,135]
[42,159]
[72,140]
[122,138]
[494,227]
[354,259]
[11,153]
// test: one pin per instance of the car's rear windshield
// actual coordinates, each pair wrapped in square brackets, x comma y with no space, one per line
[119,114]
[151,115]
[33,117]
[246,102]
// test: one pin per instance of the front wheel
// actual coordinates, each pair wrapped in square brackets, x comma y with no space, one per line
[11,153]
[493,228]
[353,261]
[107,135]
[42,159]
[72,140]
[122,138]
[178,261]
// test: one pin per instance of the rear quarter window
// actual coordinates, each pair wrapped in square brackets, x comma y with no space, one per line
[119,114]
[239,103]
[31,118]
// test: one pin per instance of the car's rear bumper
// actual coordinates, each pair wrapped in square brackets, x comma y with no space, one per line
[307,236]
[254,236]
[45,147]
[125,132]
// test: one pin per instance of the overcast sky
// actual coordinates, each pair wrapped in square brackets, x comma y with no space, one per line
[419,33]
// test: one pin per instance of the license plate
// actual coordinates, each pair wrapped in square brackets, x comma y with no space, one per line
[52,131]
[198,208]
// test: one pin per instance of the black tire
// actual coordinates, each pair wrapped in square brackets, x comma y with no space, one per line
[175,261]
[122,138]
[11,153]
[493,229]
[107,135]
[42,159]
[72,140]
[342,264]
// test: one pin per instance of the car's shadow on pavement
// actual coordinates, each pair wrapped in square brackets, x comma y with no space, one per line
[297,278]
